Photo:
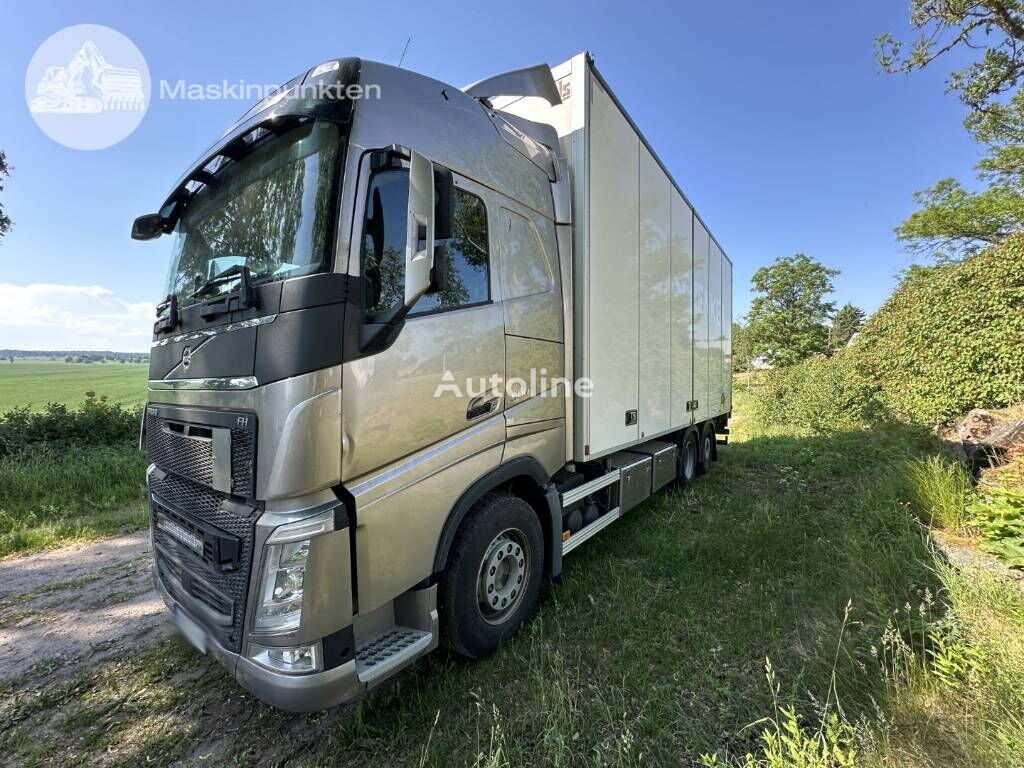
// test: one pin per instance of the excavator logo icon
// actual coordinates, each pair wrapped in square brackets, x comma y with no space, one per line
[64,89]
[79,96]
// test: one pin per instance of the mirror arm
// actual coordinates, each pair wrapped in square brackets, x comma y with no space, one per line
[382,328]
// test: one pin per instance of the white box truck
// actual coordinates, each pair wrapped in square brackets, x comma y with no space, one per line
[418,343]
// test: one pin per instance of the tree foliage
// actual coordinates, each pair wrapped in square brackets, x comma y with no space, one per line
[787,319]
[742,347]
[847,322]
[953,222]
[994,27]
[5,170]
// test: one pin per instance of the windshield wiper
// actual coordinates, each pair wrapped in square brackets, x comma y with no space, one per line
[245,294]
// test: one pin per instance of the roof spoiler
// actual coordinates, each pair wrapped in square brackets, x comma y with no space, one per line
[528,81]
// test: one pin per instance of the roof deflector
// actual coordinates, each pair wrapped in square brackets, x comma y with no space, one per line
[528,81]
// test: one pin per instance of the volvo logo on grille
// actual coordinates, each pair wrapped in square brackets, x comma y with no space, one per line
[186,357]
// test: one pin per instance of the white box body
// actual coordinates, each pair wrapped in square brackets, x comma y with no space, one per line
[651,294]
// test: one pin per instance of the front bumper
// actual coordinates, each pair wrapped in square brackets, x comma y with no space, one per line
[295,693]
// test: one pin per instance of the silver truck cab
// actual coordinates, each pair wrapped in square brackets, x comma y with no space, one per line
[339,474]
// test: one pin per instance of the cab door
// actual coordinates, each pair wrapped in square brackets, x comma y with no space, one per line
[445,371]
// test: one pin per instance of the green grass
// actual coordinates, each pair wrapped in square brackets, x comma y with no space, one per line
[48,498]
[940,489]
[799,548]
[37,382]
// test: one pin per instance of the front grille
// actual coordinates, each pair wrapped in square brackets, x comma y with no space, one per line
[179,444]
[186,448]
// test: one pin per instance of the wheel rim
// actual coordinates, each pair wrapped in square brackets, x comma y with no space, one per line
[504,574]
[707,449]
[690,460]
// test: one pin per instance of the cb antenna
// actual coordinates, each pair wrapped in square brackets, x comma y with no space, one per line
[402,57]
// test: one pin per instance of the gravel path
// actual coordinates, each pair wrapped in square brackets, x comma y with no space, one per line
[68,608]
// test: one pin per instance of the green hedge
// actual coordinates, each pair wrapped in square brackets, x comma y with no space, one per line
[822,394]
[950,338]
[57,427]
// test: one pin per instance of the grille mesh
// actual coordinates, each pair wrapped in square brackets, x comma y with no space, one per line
[191,455]
[181,491]
[228,587]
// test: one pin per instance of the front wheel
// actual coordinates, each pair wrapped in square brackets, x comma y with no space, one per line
[493,578]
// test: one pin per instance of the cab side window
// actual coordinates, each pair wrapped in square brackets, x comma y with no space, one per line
[525,266]
[383,249]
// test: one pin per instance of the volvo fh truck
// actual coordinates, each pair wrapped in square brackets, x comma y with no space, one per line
[418,344]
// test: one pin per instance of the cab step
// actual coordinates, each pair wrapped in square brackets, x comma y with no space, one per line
[389,651]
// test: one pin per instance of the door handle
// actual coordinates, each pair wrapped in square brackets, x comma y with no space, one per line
[481,406]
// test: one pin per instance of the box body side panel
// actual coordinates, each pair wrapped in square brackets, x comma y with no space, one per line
[727,332]
[716,391]
[654,295]
[701,324]
[613,289]
[681,311]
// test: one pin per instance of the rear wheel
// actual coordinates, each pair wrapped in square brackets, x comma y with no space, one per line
[493,578]
[688,459]
[707,449]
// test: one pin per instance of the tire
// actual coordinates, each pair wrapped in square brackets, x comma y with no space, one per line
[688,459]
[706,452]
[483,562]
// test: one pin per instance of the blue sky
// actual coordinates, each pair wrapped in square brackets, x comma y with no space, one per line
[773,117]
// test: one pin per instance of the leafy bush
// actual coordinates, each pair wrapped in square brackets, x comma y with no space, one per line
[822,394]
[96,422]
[950,338]
[999,514]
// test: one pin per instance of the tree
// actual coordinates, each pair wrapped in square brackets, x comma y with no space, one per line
[995,27]
[954,223]
[787,319]
[742,348]
[5,220]
[847,322]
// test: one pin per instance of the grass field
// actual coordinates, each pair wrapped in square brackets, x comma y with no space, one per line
[38,382]
[59,492]
[798,547]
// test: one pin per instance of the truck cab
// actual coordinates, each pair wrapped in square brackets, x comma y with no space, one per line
[361,402]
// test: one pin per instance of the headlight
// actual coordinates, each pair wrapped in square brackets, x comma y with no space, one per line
[284,573]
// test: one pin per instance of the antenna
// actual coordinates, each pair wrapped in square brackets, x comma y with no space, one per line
[402,58]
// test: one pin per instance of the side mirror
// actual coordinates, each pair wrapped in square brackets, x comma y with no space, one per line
[148,227]
[444,222]
[419,238]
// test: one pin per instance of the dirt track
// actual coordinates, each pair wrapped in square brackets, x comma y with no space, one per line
[72,620]
[68,608]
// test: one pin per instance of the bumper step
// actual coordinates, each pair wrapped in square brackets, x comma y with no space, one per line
[389,651]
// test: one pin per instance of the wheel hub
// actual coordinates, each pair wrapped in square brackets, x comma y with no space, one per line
[504,574]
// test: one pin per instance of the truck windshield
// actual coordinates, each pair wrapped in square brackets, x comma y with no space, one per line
[269,211]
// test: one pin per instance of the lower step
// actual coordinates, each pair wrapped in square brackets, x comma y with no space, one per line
[389,651]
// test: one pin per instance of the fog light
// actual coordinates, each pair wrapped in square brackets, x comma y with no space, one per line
[297,660]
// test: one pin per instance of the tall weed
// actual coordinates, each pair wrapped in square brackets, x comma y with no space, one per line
[940,490]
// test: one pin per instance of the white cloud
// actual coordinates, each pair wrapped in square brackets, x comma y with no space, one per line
[53,316]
